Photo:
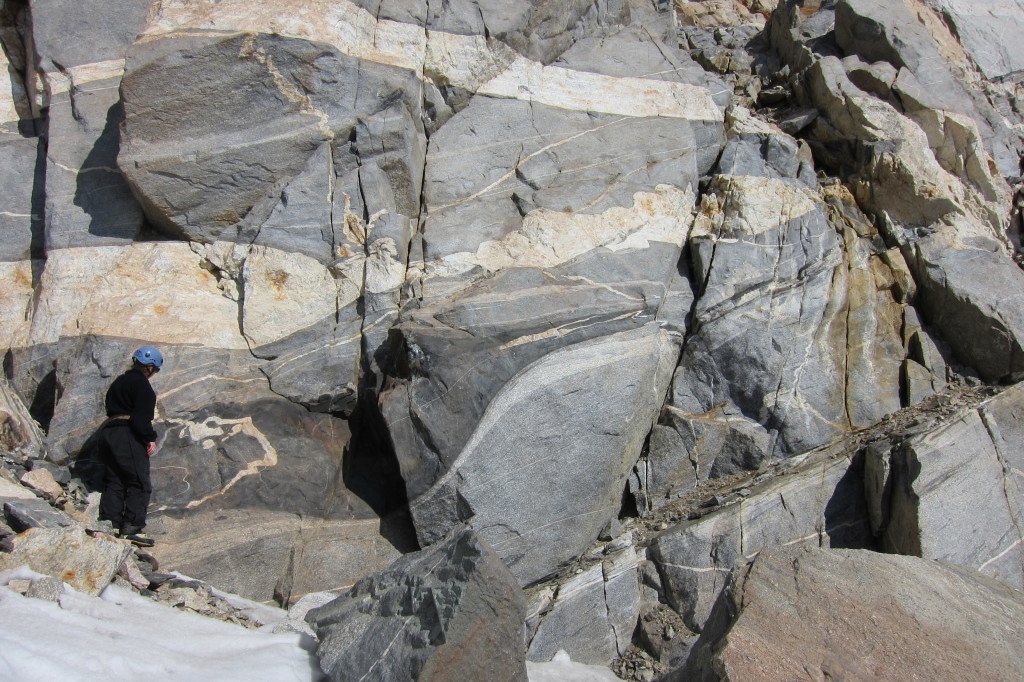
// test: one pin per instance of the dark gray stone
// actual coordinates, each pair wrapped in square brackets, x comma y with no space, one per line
[269,127]
[451,611]
[765,154]
[317,367]
[25,514]
[521,481]
[302,221]
[21,219]
[459,343]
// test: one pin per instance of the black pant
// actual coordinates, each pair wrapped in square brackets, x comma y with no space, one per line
[126,486]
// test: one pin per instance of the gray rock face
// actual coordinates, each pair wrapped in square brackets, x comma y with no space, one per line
[953,493]
[594,613]
[102,30]
[21,219]
[523,267]
[819,502]
[213,162]
[88,201]
[451,611]
[983,28]
[907,137]
[799,611]
[547,158]
[970,289]
[504,481]
[796,334]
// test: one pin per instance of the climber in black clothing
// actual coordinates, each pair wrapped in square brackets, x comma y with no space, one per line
[127,441]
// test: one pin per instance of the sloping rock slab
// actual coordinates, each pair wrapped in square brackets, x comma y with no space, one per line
[956,492]
[86,563]
[31,512]
[802,613]
[452,611]
[273,555]
[819,502]
[540,498]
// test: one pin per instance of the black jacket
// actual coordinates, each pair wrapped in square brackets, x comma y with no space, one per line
[130,394]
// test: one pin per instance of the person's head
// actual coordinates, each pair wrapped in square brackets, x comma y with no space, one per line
[148,359]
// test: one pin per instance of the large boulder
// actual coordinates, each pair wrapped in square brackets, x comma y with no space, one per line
[800,611]
[86,563]
[451,611]
[542,474]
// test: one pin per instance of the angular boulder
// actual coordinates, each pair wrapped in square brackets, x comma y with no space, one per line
[798,612]
[451,611]
[86,563]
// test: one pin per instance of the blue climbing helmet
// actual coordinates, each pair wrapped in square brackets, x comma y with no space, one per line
[147,355]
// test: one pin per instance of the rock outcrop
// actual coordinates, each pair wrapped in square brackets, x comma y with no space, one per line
[622,293]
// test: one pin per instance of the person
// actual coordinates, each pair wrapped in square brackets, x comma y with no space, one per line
[127,441]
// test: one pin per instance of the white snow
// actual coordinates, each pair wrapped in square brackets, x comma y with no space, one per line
[123,636]
[562,669]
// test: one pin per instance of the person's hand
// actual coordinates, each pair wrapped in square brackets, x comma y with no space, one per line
[150,449]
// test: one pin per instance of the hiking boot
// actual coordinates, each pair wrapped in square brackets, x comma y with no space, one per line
[139,539]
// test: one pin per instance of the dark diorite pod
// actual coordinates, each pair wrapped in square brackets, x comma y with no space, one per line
[452,611]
